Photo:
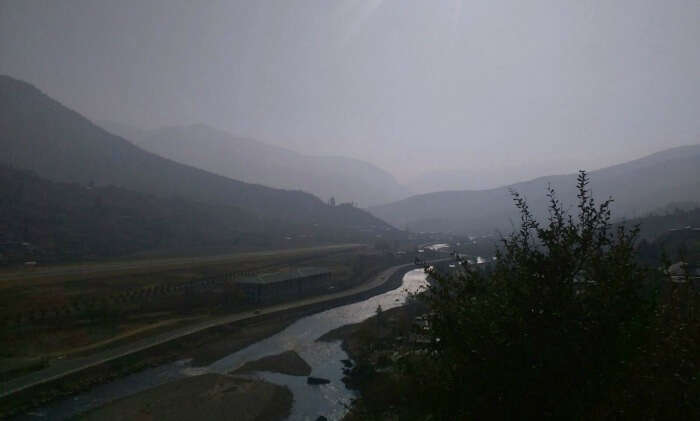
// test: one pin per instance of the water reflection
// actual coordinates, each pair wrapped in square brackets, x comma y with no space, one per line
[324,358]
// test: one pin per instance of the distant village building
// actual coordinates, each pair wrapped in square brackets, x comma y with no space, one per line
[681,272]
[286,284]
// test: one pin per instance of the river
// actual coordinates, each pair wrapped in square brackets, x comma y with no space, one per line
[329,400]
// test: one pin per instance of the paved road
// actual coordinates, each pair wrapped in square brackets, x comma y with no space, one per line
[149,265]
[64,368]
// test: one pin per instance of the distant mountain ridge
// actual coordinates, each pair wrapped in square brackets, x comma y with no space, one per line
[345,179]
[39,134]
[638,187]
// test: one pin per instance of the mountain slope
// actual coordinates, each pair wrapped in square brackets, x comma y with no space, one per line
[64,221]
[637,187]
[346,179]
[40,134]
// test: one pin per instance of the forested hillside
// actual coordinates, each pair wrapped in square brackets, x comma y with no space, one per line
[50,221]
[672,236]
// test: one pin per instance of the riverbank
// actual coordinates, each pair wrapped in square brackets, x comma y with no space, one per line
[288,362]
[379,370]
[204,397]
[202,347]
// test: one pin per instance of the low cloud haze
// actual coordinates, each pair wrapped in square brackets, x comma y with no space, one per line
[508,89]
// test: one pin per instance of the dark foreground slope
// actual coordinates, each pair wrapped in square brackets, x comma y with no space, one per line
[40,134]
[638,187]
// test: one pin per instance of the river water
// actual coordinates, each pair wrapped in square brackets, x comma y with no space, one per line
[330,400]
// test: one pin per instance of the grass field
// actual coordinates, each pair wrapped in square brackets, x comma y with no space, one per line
[59,273]
[69,311]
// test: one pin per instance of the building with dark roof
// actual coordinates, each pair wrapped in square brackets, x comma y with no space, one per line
[286,285]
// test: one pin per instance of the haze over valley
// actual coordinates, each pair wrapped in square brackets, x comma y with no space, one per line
[344,179]
[74,150]
[349,210]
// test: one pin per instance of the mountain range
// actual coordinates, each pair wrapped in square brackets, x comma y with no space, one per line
[637,187]
[344,179]
[39,134]
[58,145]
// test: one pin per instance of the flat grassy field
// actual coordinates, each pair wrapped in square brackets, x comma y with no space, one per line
[38,275]
[70,311]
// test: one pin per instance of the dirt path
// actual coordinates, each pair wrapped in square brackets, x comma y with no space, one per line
[130,333]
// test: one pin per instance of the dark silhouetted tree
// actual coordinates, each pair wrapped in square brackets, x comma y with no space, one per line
[545,331]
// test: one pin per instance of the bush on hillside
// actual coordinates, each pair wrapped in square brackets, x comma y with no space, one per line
[550,328]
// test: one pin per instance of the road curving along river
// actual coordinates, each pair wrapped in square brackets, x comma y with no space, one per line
[310,402]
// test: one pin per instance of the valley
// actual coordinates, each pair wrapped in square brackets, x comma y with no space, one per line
[349,210]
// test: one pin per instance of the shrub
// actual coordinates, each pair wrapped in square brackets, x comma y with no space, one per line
[550,327]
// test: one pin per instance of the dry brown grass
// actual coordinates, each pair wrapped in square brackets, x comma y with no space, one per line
[204,397]
[70,313]
[62,273]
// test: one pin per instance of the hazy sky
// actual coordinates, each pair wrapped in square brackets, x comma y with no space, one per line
[512,89]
